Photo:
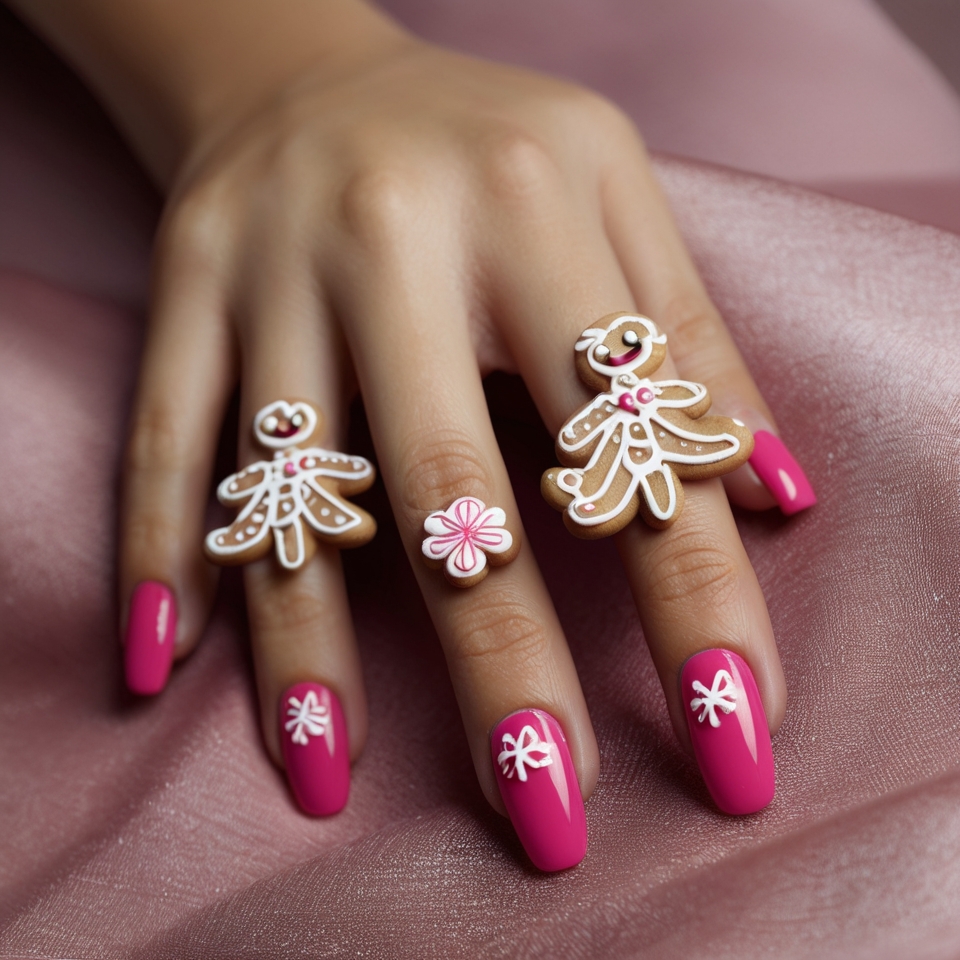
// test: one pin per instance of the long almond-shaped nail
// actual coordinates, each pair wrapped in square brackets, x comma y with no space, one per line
[780,473]
[151,630]
[313,737]
[731,739]
[539,788]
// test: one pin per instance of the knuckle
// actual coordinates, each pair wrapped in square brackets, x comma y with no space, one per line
[502,630]
[378,205]
[443,466]
[195,226]
[150,533]
[518,168]
[693,326]
[286,610]
[158,443]
[692,568]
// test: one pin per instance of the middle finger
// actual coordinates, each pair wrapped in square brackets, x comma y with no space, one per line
[407,324]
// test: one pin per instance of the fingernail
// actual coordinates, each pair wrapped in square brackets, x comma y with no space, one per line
[780,473]
[313,737]
[151,630]
[731,739]
[540,789]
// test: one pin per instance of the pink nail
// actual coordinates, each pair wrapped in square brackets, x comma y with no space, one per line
[731,739]
[780,473]
[540,789]
[313,737]
[151,630]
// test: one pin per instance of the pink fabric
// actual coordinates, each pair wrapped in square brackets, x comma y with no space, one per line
[825,93]
[159,829]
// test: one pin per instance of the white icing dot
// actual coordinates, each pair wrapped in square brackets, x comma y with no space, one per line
[257,518]
[324,459]
[287,508]
[240,537]
[549,476]
[599,416]
[233,486]
[616,438]
[311,462]
[683,443]
[325,512]
[586,426]
[220,539]
[338,519]
[358,466]
[297,419]
[662,434]
[699,447]
[739,423]
[270,424]
[250,531]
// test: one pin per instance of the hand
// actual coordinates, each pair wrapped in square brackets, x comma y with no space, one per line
[407,222]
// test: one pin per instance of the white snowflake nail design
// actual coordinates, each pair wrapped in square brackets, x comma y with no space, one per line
[722,694]
[518,753]
[306,715]
[464,534]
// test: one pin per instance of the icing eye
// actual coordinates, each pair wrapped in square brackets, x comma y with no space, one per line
[631,338]
[602,352]
[297,419]
[270,424]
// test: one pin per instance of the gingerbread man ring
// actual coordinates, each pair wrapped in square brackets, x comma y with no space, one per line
[627,450]
[295,499]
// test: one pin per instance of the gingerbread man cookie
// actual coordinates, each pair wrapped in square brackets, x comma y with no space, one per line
[294,499]
[628,449]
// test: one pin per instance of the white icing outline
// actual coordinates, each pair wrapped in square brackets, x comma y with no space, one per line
[647,415]
[280,499]
[287,410]
[464,534]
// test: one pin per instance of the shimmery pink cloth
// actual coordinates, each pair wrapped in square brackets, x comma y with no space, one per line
[159,829]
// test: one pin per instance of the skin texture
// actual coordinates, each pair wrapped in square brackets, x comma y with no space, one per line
[348,208]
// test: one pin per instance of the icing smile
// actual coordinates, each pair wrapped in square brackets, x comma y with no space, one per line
[627,357]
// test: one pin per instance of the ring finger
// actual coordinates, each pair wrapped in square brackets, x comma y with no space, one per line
[700,604]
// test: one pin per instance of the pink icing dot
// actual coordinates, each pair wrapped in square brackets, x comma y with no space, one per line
[645,394]
[588,508]
[289,469]
[625,402]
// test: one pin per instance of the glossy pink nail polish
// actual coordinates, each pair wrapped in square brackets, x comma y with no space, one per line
[780,473]
[540,789]
[151,631]
[731,739]
[313,737]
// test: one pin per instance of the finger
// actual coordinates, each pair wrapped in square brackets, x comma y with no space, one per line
[693,583]
[667,288]
[506,651]
[312,700]
[166,586]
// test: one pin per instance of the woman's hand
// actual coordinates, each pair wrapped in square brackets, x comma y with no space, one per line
[407,220]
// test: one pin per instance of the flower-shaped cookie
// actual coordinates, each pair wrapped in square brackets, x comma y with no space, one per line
[464,537]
